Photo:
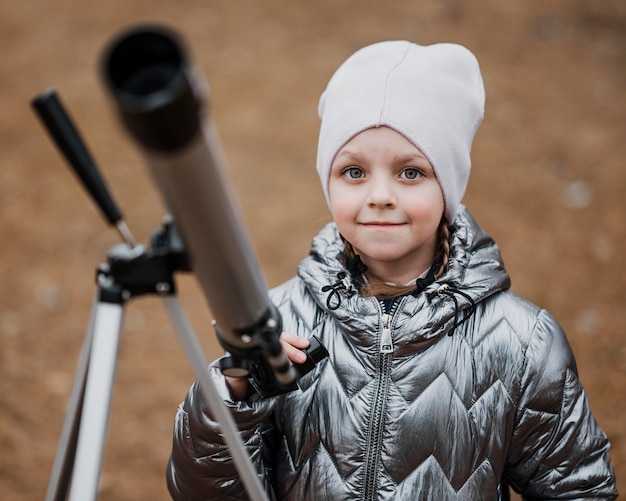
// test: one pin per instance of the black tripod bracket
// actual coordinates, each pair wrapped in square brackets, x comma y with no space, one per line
[136,271]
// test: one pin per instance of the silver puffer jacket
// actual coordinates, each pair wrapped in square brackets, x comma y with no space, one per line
[457,394]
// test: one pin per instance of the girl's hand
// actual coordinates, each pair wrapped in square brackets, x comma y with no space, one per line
[292,346]
[240,388]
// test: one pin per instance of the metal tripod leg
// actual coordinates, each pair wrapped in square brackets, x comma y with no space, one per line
[81,447]
[64,460]
[199,364]
[98,390]
[77,466]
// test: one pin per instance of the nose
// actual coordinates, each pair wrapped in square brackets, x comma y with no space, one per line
[381,194]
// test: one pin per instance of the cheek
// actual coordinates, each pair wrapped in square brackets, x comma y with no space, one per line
[340,200]
[427,207]
[341,212]
[344,215]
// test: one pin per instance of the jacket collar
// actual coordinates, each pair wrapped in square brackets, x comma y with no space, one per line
[475,272]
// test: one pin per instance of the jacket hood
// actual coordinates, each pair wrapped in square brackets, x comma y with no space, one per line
[475,272]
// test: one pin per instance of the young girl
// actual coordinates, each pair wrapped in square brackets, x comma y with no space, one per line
[441,383]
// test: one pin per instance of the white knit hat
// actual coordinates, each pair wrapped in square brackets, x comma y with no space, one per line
[433,95]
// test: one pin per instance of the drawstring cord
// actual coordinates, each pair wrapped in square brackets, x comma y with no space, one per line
[344,286]
[446,290]
[333,301]
[349,282]
[422,283]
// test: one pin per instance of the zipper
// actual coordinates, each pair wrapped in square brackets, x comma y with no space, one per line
[375,432]
[386,342]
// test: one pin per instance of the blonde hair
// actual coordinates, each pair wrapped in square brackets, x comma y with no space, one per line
[375,286]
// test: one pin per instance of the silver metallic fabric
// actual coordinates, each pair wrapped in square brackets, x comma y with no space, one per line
[478,393]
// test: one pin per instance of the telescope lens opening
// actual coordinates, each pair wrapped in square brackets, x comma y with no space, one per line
[150,79]
[146,72]
[144,62]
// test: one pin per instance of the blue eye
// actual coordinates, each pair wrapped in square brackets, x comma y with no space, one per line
[411,173]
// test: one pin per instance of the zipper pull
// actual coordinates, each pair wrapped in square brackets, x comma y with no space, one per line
[386,343]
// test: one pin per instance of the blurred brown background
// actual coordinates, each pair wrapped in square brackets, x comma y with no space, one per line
[548,184]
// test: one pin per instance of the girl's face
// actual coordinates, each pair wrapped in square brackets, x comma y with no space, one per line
[387,202]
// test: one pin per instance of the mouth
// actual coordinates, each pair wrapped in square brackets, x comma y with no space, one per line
[381,224]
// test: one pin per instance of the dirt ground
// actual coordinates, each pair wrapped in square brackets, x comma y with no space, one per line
[548,184]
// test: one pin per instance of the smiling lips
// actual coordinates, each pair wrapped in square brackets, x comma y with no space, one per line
[381,223]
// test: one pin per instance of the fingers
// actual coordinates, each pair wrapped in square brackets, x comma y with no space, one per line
[292,346]
[292,339]
[240,388]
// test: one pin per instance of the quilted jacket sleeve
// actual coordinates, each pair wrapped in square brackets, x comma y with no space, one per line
[201,466]
[558,450]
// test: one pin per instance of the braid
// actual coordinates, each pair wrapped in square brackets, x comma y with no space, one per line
[444,247]
[355,267]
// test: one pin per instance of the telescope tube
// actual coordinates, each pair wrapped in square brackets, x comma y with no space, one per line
[162,106]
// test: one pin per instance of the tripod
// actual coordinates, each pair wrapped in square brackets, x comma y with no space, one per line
[131,271]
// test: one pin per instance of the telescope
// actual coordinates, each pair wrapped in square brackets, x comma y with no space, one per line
[163,104]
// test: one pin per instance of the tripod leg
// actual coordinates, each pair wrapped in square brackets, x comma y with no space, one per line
[64,459]
[199,364]
[97,401]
